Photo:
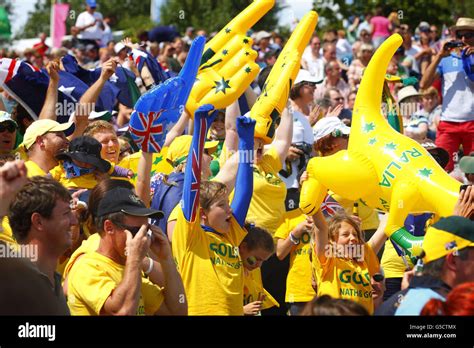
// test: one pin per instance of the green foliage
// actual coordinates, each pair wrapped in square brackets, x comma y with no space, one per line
[436,12]
[5,25]
[135,25]
[211,15]
[128,14]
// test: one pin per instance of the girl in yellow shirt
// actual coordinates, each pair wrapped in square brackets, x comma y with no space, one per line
[343,264]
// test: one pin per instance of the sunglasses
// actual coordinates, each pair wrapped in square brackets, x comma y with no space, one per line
[468,35]
[378,277]
[133,229]
[7,127]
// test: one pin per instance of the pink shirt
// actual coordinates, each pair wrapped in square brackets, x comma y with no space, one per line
[381,26]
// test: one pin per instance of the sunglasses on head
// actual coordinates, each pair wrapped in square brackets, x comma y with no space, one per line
[337,133]
[468,35]
[7,126]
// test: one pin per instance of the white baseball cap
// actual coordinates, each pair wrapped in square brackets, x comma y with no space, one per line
[327,125]
[118,47]
[305,76]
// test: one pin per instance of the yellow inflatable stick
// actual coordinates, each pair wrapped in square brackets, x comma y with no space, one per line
[228,63]
[276,90]
[385,169]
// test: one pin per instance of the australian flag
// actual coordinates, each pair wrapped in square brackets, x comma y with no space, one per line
[28,85]
[115,88]
[74,88]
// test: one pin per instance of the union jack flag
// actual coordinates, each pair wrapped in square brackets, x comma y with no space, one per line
[330,207]
[147,130]
[191,200]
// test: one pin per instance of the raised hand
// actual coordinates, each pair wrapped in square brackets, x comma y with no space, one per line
[270,104]
[228,64]
[128,42]
[108,69]
[160,245]
[53,71]
[245,128]
[12,179]
[207,113]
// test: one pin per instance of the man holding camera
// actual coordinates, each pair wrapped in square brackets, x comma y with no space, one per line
[457,118]
[109,281]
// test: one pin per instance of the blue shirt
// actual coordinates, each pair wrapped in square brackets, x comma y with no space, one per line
[458,90]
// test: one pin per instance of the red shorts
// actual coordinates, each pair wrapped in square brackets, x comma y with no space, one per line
[451,135]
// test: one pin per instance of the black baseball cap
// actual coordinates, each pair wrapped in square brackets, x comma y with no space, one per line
[121,199]
[86,149]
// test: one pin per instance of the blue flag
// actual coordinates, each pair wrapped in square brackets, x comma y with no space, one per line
[74,88]
[118,85]
[28,85]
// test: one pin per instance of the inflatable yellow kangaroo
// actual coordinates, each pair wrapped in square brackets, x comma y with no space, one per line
[385,169]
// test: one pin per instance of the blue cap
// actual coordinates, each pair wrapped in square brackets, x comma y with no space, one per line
[91,3]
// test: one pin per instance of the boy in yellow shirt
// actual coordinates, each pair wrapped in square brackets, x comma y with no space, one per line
[208,231]
[256,248]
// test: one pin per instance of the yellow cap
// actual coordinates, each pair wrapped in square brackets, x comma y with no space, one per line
[41,127]
[179,149]
[446,236]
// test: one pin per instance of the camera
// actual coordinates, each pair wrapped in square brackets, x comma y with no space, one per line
[453,44]
[306,148]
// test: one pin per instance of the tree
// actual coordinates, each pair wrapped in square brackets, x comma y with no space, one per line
[211,15]
[127,14]
[436,12]
[5,27]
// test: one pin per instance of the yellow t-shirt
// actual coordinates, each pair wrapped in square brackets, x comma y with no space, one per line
[253,289]
[267,206]
[369,216]
[91,244]
[159,163]
[92,280]
[347,278]
[210,266]
[6,233]
[33,169]
[298,281]
[392,264]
